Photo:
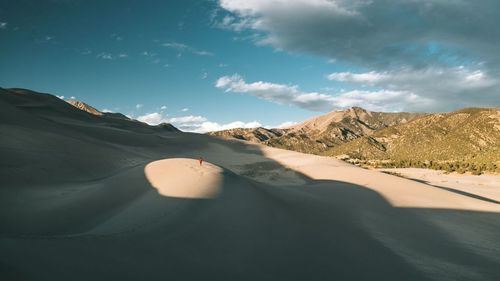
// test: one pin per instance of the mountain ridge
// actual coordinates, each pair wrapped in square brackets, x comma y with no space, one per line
[320,133]
[466,140]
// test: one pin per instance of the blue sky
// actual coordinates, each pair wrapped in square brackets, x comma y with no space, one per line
[214,63]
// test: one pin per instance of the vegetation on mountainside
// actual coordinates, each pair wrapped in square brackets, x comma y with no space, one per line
[467,140]
[320,134]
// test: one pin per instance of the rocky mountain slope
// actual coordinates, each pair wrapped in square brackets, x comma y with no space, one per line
[85,107]
[320,134]
[257,135]
[463,140]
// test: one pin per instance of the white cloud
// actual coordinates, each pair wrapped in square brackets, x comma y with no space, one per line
[447,88]
[369,35]
[203,53]
[185,48]
[3,25]
[204,75]
[86,52]
[366,30]
[105,110]
[45,40]
[192,123]
[139,106]
[152,57]
[285,124]
[105,56]
[163,107]
[61,97]
[154,118]
[175,45]
[149,54]
[108,56]
[116,37]
[214,126]
[190,119]
[379,100]
[367,77]
[185,109]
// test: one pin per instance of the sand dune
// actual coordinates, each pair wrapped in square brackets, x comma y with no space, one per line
[485,187]
[85,197]
[184,178]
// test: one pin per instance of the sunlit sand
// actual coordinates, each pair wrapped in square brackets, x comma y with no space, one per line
[184,178]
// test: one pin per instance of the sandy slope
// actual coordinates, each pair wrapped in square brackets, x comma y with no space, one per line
[83,198]
[486,186]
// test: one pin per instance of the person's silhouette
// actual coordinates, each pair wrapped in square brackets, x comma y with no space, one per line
[201,160]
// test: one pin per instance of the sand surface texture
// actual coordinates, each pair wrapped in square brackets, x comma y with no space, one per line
[485,187]
[86,197]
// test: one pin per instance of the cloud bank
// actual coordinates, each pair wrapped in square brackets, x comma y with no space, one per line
[452,39]
[443,88]
[380,100]
[371,31]
[195,124]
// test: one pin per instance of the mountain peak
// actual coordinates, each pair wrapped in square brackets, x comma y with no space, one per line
[357,108]
[321,133]
[85,107]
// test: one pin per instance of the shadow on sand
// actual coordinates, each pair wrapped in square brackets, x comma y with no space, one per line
[461,192]
[323,230]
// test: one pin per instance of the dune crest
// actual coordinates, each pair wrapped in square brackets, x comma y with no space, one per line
[184,178]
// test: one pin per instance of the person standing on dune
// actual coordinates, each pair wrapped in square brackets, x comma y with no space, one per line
[201,160]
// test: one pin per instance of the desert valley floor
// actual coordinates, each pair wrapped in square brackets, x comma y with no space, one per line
[84,197]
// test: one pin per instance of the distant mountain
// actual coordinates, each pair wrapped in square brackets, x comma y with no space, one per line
[464,140]
[89,109]
[85,107]
[322,133]
[257,135]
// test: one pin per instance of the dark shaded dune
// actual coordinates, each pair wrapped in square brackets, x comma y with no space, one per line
[49,107]
[273,234]
[43,105]
[262,237]
[40,131]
